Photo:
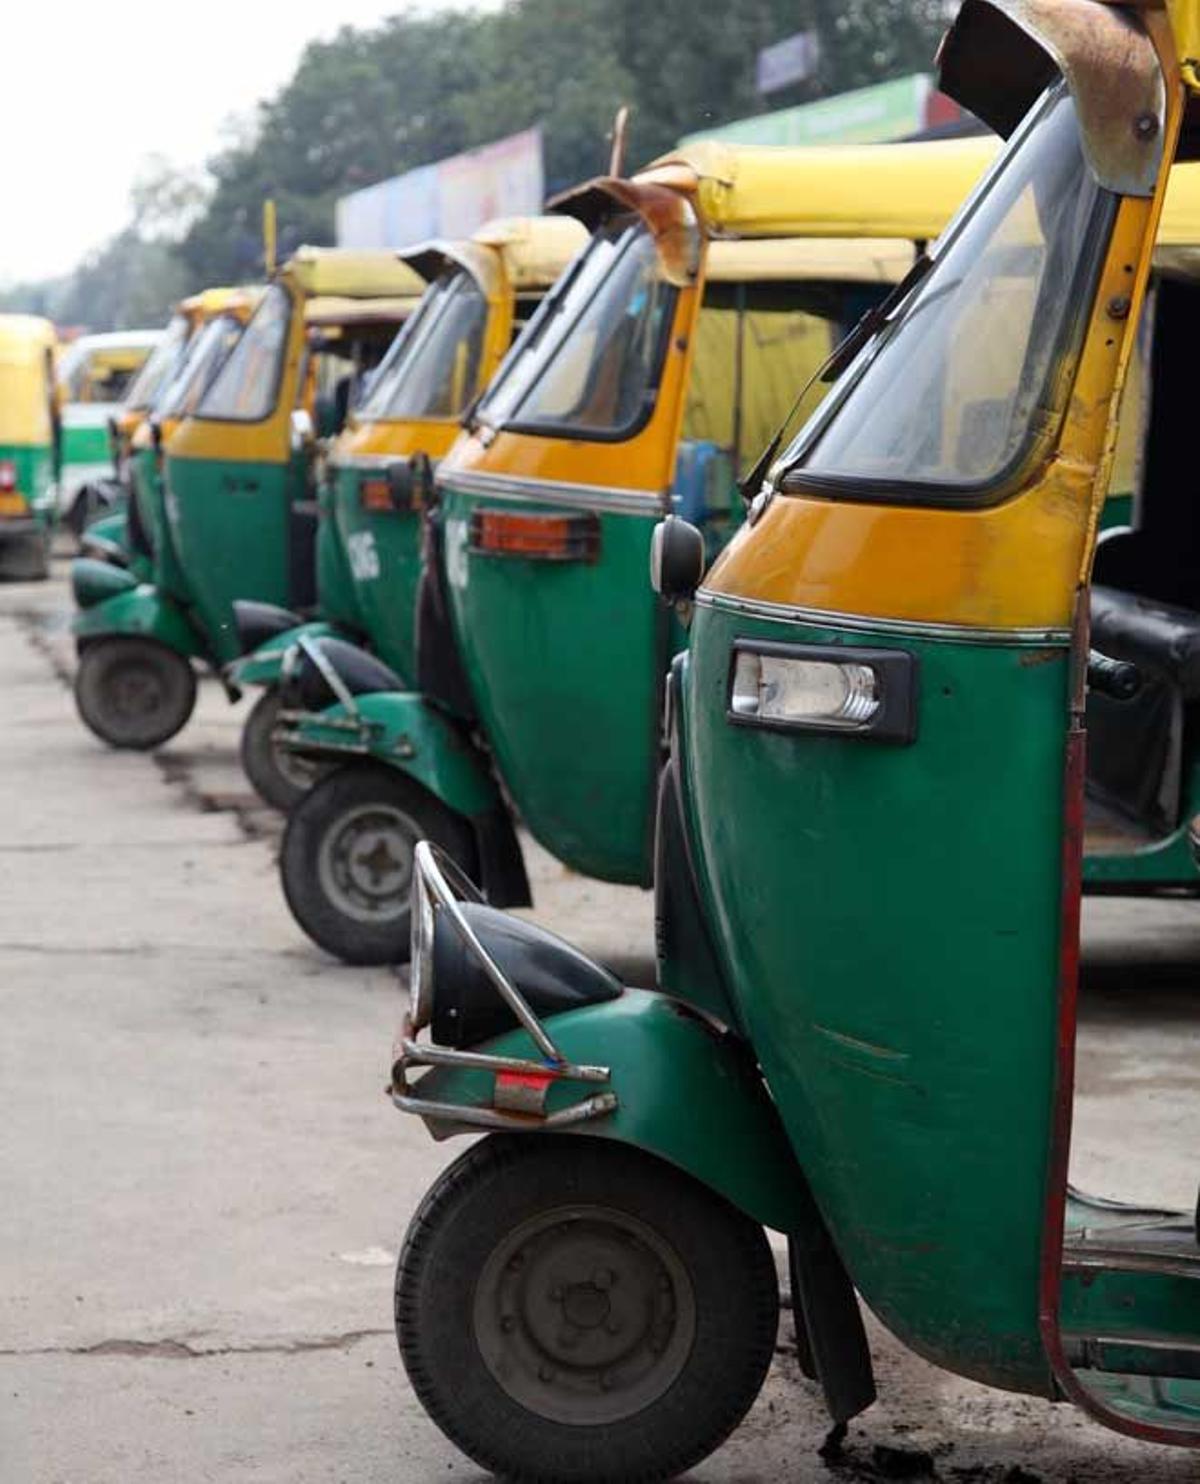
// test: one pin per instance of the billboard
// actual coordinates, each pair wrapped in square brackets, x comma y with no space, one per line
[448,199]
[789,61]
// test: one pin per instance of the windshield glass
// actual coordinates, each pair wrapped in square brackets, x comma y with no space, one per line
[432,369]
[162,362]
[963,374]
[589,361]
[205,356]
[247,385]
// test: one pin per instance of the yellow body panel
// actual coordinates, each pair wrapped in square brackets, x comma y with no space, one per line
[26,350]
[395,439]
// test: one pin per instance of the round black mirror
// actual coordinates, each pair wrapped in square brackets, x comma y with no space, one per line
[677,559]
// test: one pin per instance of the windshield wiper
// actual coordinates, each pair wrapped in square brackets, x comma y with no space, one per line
[874,320]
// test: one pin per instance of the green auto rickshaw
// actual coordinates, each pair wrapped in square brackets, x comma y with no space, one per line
[29,445]
[136,516]
[95,373]
[714,284]
[480,291]
[869,869]
[239,494]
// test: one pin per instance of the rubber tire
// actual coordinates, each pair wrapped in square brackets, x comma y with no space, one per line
[100,659]
[505,1180]
[25,558]
[259,756]
[347,938]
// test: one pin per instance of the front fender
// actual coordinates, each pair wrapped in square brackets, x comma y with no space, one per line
[685,1093]
[142,611]
[402,730]
[264,665]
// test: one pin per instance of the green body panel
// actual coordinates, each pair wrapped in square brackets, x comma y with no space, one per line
[94,580]
[231,524]
[110,531]
[683,1094]
[403,730]
[1131,1306]
[1168,862]
[85,443]
[337,594]
[265,665]
[912,1059]
[150,496]
[565,661]
[1116,512]
[382,551]
[33,465]
[143,611]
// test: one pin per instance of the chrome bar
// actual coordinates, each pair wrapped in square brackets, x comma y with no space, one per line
[415,1055]
[594,1107]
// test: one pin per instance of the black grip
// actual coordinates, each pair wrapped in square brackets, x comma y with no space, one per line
[1116,678]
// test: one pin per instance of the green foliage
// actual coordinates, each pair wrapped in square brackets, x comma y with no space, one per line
[369,104]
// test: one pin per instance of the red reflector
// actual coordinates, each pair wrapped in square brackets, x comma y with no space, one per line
[8,476]
[549,538]
[375,494]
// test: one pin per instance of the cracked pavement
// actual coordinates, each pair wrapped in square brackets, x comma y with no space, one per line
[204,1187]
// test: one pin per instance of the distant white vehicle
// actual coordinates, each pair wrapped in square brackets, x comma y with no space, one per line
[94,373]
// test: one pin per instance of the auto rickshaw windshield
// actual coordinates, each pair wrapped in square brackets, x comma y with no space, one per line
[246,388]
[588,362]
[963,377]
[203,359]
[432,368]
[158,367]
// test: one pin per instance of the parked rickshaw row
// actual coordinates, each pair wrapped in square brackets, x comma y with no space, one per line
[899,434]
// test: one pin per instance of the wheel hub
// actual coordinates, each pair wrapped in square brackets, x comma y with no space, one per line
[136,691]
[585,1316]
[365,862]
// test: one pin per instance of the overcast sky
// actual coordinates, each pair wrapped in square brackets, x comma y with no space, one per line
[90,89]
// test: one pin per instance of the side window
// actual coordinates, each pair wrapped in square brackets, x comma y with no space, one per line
[246,388]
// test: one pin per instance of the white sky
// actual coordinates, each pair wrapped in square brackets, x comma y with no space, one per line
[91,89]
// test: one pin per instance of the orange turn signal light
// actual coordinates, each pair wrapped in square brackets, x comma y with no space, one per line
[547,538]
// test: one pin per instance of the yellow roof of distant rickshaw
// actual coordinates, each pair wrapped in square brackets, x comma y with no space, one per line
[352,273]
[25,336]
[534,251]
[208,303]
[809,259]
[330,311]
[844,190]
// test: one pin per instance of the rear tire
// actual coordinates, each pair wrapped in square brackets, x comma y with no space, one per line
[573,1311]
[347,858]
[279,777]
[25,558]
[134,693]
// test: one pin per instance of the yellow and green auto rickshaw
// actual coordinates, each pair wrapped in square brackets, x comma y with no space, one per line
[166,390]
[650,379]
[480,292]
[30,445]
[869,867]
[239,497]
[94,374]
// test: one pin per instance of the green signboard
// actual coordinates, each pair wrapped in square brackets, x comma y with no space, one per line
[888,110]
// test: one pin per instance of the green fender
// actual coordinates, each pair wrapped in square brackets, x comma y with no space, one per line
[109,531]
[685,1093]
[402,730]
[264,665]
[143,612]
[94,580]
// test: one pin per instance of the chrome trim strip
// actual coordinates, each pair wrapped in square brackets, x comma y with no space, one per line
[366,462]
[861,624]
[600,497]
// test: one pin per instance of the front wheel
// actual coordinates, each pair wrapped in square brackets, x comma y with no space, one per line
[25,558]
[575,1311]
[279,777]
[347,859]
[134,692]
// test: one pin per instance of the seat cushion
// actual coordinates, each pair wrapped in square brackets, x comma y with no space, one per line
[1157,637]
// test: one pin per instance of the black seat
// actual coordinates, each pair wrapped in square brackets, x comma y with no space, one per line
[258,622]
[1156,637]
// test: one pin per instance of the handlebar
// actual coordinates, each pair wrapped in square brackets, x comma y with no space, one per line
[1116,678]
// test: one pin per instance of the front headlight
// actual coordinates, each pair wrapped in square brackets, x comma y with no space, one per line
[868,693]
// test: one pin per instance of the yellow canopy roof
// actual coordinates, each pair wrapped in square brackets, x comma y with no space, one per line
[351,274]
[25,340]
[531,250]
[808,259]
[333,311]
[25,336]
[847,190]
[200,308]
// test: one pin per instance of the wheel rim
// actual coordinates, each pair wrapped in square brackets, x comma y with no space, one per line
[136,692]
[365,862]
[297,772]
[584,1316]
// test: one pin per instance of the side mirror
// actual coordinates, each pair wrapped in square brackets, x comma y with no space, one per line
[303,432]
[677,559]
[410,482]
